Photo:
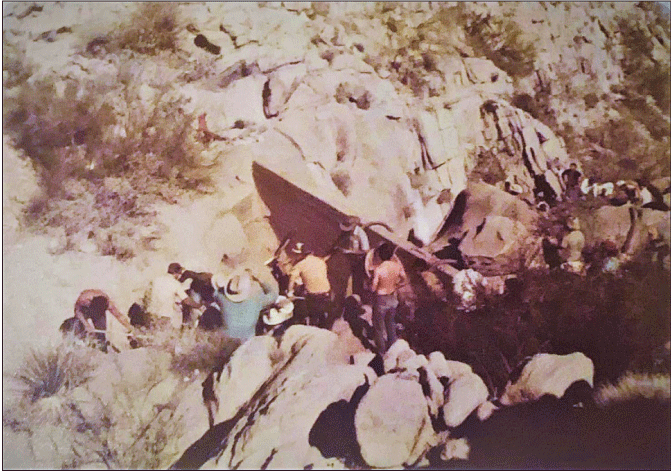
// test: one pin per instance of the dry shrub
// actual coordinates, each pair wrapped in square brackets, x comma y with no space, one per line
[153,28]
[52,371]
[501,40]
[202,351]
[133,424]
[488,168]
[133,431]
[634,385]
[102,160]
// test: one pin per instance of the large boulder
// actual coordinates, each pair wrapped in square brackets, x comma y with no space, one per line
[496,229]
[393,427]
[236,386]
[444,368]
[274,414]
[548,374]
[614,223]
[495,236]
[463,395]
[464,391]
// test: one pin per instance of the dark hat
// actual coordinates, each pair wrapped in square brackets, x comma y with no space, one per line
[174,268]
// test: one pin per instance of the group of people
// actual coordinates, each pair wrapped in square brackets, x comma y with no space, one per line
[618,193]
[251,301]
[566,250]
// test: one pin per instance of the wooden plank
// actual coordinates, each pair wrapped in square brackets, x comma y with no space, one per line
[316,222]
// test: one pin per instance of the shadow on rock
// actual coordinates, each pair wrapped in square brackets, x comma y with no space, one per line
[334,433]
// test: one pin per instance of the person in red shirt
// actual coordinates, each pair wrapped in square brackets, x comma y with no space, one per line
[91,310]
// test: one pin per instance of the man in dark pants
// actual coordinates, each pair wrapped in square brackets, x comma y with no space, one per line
[312,272]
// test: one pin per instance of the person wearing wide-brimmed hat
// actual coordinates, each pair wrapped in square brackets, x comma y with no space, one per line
[240,298]
[311,271]
[278,317]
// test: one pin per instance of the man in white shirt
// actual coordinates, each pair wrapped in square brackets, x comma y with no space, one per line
[166,296]
[353,242]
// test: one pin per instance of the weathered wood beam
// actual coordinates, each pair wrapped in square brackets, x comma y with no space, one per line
[316,221]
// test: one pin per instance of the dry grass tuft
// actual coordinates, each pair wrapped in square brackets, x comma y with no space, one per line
[52,371]
[635,385]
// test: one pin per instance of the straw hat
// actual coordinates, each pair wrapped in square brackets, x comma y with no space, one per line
[239,287]
[282,310]
[219,280]
[298,249]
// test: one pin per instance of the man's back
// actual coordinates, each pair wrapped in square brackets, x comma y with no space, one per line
[574,242]
[313,272]
[388,276]
[163,297]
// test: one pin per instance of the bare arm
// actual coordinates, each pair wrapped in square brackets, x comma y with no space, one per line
[80,315]
[294,276]
[188,301]
[120,317]
[376,280]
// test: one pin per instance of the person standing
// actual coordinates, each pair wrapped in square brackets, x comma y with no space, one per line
[388,277]
[312,272]
[241,299]
[354,243]
[572,245]
[571,179]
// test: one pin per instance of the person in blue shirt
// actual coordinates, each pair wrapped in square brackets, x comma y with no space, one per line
[240,299]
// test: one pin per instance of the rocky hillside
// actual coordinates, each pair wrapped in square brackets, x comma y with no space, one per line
[129,132]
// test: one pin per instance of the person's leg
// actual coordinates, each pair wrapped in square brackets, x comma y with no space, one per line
[100,323]
[378,326]
[390,321]
[329,313]
[314,307]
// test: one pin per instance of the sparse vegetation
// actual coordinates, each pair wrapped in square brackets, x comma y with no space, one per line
[103,155]
[135,422]
[52,371]
[618,322]
[152,29]
[203,351]
[501,40]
